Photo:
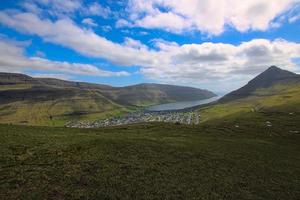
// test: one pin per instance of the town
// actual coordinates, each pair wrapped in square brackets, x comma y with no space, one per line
[179,117]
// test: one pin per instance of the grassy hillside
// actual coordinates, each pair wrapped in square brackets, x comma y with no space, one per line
[280,98]
[154,161]
[52,102]
[267,79]
[44,101]
[77,105]
[56,107]
[273,91]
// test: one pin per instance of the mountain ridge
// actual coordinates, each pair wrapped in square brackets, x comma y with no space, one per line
[39,101]
[23,78]
[272,93]
[134,93]
[268,78]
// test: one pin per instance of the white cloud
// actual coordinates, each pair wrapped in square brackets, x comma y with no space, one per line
[136,44]
[64,32]
[212,63]
[206,63]
[66,8]
[143,33]
[294,14]
[40,54]
[56,76]
[122,23]
[89,22]
[294,18]
[167,21]
[57,7]
[106,28]
[208,16]
[12,59]
[97,10]
[31,7]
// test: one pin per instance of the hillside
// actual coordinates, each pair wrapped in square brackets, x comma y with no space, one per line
[154,161]
[246,148]
[45,101]
[273,92]
[272,76]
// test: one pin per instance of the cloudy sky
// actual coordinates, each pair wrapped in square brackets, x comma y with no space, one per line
[213,44]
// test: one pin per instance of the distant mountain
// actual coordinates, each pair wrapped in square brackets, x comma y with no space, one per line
[135,95]
[13,79]
[267,79]
[24,99]
[147,94]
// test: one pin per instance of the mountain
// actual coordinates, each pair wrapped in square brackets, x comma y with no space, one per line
[47,101]
[17,85]
[273,94]
[270,77]
[149,94]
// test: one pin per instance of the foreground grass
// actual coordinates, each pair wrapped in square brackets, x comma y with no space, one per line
[240,159]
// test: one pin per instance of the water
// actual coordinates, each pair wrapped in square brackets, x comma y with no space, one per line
[180,105]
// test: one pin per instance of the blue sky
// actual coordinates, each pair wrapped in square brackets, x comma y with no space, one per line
[213,44]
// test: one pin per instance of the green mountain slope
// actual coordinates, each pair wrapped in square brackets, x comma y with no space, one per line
[272,76]
[55,107]
[274,91]
[45,101]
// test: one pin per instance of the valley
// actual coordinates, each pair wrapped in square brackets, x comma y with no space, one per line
[179,113]
[53,102]
[281,96]
[245,145]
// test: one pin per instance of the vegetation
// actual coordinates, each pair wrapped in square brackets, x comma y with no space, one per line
[266,80]
[52,102]
[245,148]
[56,112]
[241,158]
[274,90]
[280,98]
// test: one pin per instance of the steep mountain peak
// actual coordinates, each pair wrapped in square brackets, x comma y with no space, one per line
[273,75]
[273,67]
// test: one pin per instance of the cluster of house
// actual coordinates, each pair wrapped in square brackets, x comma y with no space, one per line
[140,117]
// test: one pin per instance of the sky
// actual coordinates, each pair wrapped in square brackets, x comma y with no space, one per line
[212,44]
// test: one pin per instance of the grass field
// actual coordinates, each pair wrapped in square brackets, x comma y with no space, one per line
[240,158]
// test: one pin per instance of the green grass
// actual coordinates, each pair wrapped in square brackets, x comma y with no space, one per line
[84,105]
[279,98]
[79,108]
[15,87]
[154,161]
